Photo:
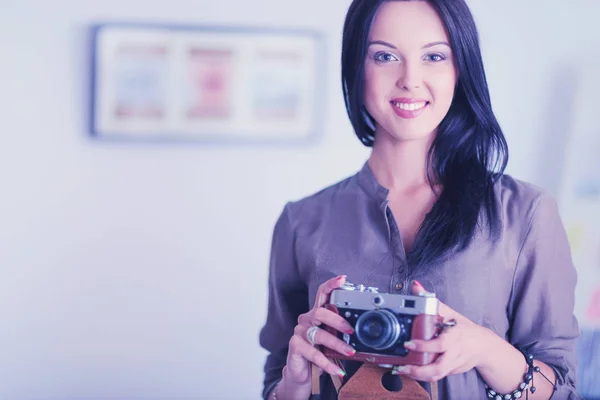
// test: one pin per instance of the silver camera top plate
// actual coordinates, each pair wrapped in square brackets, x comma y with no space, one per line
[397,303]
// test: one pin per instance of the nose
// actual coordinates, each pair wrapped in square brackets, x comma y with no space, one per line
[410,76]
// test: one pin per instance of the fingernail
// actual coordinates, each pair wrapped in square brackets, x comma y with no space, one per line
[339,278]
[341,373]
[350,351]
[398,370]
[410,345]
[417,283]
[348,329]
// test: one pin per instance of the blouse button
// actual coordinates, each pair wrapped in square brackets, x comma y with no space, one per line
[399,286]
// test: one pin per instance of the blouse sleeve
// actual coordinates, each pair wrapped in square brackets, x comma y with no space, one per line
[288,298]
[543,297]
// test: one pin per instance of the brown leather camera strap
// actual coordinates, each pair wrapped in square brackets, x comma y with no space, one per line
[316,378]
[434,391]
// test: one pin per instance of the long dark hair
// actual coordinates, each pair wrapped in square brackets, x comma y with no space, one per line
[469,152]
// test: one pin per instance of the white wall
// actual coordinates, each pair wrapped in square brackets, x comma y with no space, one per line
[138,270]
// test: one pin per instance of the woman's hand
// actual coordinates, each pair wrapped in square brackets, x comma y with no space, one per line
[296,381]
[461,347]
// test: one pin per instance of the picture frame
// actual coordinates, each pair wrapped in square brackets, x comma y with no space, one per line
[208,84]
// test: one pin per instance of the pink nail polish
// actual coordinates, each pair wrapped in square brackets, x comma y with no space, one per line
[410,345]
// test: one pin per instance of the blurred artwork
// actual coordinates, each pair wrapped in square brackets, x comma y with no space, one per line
[580,198]
[140,82]
[205,84]
[276,85]
[593,310]
[579,201]
[210,84]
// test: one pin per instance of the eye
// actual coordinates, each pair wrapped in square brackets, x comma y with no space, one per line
[383,56]
[435,57]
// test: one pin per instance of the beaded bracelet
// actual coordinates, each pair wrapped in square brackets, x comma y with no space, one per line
[527,380]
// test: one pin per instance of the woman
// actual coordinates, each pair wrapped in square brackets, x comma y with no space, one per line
[431,205]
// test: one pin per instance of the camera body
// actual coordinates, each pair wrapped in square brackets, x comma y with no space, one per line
[382,322]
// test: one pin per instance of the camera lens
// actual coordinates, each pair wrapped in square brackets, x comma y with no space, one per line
[378,329]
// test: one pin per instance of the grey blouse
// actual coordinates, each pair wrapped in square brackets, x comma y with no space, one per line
[520,285]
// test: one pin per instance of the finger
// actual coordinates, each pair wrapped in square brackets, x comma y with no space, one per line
[326,288]
[326,339]
[312,354]
[417,288]
[440,344]
[427,373]
[322,315]
[444,310]
[297,367]
[418,373]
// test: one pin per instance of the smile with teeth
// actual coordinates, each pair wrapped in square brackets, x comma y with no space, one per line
[409,107]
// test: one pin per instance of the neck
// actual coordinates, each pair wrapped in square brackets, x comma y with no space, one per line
[400,165]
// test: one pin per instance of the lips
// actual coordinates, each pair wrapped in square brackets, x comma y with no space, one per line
[409,108]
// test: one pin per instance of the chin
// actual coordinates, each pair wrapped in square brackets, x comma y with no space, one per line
[412,135]
[406,132]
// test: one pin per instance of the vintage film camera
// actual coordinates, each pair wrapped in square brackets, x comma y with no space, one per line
[382,322]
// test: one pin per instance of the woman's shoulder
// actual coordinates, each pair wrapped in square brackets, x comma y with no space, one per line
[520,200]
[507,185]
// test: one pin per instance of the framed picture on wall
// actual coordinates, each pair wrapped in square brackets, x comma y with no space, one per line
[152,82]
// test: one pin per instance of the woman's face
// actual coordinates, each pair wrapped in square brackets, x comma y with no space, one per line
[410,75]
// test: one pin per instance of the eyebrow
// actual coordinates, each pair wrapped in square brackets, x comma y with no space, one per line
[428,45]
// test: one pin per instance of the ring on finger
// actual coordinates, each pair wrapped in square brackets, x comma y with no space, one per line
[444,326]
[311,333]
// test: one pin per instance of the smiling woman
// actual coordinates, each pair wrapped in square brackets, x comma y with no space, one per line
[432,204]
